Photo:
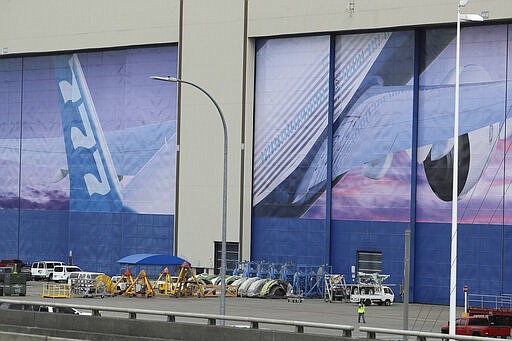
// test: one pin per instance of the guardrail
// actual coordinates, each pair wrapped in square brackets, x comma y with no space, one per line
[489,301]
[211,319]
[371,333]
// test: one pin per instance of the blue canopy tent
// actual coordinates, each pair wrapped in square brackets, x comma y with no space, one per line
[153,264]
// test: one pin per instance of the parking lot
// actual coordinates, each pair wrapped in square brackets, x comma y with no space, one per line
[422,317]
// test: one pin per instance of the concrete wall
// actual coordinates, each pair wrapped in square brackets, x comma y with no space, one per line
[212,57]
[12,336]
[269,18]
[53,25]
[216,41]
[104,328]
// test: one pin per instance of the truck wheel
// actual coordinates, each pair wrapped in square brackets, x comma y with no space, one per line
[387,303]
[368,302]
[475,333]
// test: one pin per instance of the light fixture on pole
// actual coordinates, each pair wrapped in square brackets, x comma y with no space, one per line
[224,187]
[455,188]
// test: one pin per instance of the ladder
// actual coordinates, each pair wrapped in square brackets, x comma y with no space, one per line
[335,287]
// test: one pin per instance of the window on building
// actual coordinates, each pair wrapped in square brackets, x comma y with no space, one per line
[231,256]
[369,262]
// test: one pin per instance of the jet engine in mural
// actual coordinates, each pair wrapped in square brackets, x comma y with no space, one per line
[475,146]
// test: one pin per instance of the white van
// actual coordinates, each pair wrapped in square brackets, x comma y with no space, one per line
[62,272]
[44,269]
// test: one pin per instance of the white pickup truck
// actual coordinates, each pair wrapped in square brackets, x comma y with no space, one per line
[368,294]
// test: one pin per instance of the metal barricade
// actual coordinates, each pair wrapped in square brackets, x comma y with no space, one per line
[56,291]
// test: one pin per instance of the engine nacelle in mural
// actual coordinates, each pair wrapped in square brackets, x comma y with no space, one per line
[475,149]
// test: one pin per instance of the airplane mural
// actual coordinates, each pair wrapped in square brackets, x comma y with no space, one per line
[372,120]
[127,169]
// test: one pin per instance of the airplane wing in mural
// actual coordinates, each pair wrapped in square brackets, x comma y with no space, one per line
[379,124]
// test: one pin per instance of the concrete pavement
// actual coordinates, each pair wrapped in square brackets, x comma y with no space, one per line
[422,317]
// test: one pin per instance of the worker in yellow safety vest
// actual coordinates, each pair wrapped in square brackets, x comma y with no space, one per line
[360,312]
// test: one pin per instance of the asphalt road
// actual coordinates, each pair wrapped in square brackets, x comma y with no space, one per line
[422,317]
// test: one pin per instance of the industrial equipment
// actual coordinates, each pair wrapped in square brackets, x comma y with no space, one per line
[140,286]
[187,283]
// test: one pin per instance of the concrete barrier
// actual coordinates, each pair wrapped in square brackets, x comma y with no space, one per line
[7,336]
[121,329]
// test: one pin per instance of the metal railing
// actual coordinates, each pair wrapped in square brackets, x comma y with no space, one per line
[489,301]
[211,319]
[371,333]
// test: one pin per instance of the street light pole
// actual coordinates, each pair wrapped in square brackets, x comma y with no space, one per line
[224,187]
[455,188]
[455,183]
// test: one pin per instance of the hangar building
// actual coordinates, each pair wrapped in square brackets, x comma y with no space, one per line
[339,118]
